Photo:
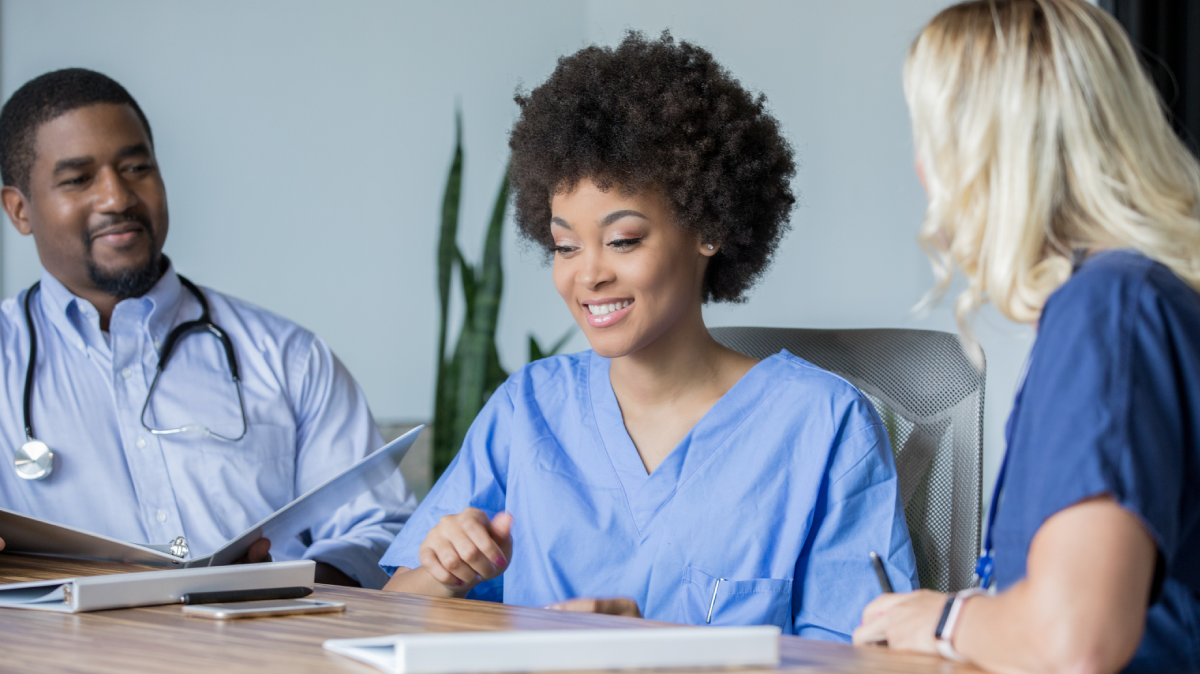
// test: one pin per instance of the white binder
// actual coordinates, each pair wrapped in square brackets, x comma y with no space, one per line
[150,588]
[564,650]
[30,535]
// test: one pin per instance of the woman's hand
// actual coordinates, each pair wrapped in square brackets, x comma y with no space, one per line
[904,621]
[466,549]
[613,606]
[459,553]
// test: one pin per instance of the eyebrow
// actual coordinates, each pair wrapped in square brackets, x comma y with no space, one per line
[617,215]
[76,163]
[136,150]
[72,164]
[608,219]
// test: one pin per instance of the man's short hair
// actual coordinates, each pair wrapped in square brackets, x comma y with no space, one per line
[45,98]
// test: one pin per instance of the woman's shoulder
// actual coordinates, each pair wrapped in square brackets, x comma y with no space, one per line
[1116,293]
[793,372]
[550,377]
[805,388]
[1112,281]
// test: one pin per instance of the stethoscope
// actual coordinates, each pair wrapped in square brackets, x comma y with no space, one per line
[35,461]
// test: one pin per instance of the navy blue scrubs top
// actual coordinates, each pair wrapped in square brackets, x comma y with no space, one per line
[1111,405]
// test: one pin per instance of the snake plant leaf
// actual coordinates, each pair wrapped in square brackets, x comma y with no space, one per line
[448,236]
[469,283]
[537,353]
[447,255]
[535,349]
[479,370]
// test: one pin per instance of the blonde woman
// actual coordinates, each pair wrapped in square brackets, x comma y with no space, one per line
[1059,190]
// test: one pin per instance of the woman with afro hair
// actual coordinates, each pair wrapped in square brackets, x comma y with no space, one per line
[660,473]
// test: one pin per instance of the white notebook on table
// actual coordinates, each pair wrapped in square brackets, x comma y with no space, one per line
[564,650]
[151,588]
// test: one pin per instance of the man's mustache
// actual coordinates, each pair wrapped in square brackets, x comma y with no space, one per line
[120,222]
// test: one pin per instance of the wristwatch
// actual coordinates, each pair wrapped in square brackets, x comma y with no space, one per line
[945,628]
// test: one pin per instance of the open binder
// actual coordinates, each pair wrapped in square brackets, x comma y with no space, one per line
[30,535]
[150,588]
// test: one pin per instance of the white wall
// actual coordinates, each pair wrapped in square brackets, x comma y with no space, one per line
[305,146]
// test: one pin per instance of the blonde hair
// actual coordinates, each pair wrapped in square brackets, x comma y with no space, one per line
[1039,135]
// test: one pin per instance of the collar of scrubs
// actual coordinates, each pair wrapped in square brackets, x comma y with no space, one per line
[649,493]
[78,321]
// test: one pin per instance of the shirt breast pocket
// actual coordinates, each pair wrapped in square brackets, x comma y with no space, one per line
[712,600]
[265,457]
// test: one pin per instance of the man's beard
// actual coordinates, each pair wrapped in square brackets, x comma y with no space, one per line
[127,282]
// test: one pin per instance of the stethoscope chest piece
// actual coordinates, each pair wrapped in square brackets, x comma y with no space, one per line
[34,460]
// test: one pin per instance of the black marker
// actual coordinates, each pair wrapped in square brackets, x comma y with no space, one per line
[881,573]
[245,595]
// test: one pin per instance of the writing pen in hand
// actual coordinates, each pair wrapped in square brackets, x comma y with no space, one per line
[881,576]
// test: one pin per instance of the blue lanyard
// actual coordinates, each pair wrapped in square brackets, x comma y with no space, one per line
[986,564]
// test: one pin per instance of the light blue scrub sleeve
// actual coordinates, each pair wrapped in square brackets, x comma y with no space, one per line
[861,512]
[476,478]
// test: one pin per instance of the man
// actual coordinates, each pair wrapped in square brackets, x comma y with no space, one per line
[80,176]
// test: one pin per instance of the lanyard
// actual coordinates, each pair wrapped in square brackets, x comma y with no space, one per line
[986,563]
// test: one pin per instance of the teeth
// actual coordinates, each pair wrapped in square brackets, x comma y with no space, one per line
[605,309]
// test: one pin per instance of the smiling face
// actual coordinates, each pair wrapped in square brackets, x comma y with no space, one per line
[96,207]
[627,272]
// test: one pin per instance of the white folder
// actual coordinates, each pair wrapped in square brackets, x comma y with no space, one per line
[564,650]
[30,535]
[151,588]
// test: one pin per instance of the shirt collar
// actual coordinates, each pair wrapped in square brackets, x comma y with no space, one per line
[79,321]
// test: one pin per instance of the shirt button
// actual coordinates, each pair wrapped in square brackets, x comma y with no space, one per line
[141,443]
[127,373]
[162,516]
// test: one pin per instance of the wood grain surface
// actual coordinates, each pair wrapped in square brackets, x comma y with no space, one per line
[162,640]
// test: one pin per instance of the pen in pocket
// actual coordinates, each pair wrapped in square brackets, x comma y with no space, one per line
[881,573]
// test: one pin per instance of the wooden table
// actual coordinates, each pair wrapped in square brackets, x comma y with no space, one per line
[162,640]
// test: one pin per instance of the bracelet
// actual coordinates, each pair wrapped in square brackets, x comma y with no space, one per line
[945,629]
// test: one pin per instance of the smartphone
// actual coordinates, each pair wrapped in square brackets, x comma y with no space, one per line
[259,609]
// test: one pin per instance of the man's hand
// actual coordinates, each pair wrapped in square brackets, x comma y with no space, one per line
[1,543]
[459,553]
[613,606]
[260,551]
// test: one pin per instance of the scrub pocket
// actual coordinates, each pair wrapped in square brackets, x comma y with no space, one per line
[762,601]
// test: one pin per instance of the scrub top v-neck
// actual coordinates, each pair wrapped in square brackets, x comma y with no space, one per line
[763,514]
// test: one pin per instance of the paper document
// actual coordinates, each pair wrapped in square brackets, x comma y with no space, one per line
[150,588]
[562,650]
[30,535]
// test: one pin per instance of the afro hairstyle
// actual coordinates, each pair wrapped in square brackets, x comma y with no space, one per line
[43,99]
[665,115]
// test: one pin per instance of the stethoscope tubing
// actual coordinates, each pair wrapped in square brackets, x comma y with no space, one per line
[173,338]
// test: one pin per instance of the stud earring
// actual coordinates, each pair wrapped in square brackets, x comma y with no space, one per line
[710,246]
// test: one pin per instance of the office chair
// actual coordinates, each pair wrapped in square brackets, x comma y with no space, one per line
[930,398]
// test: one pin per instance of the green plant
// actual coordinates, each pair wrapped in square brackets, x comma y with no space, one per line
[468,378]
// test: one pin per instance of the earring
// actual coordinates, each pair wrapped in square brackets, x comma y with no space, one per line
[710,246]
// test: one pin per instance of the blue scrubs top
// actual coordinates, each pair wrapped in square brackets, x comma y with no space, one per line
[780,491]
[1111,405]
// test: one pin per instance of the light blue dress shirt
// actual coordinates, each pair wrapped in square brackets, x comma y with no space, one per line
[308,421]
[780,491]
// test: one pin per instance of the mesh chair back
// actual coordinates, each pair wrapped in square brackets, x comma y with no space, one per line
[930,398]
